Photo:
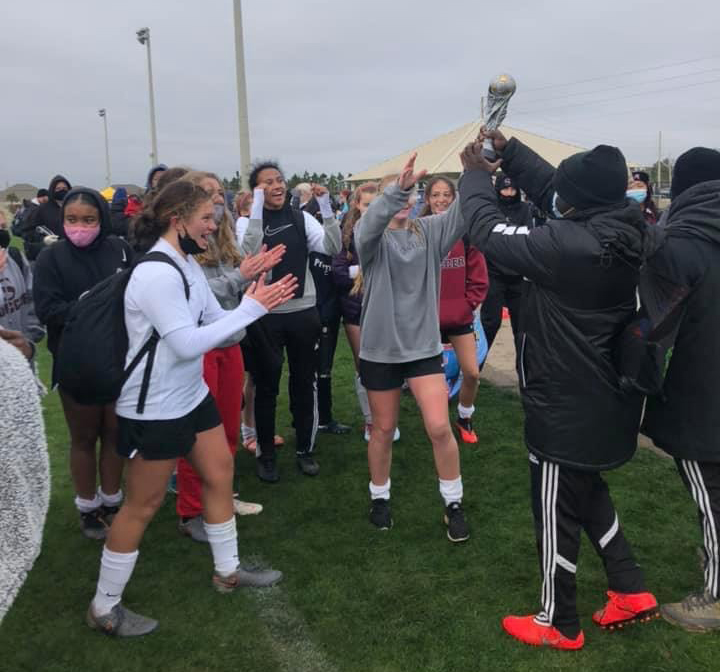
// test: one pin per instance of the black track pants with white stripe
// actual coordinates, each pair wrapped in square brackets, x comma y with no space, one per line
[702,479]
[566,501]
[298,334]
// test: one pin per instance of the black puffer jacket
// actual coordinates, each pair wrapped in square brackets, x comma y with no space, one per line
[520,214]
[685,420]
[63,272]
[46,215]
[583,274]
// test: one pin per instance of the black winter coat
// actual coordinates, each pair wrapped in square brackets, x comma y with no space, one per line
[583,274]
[46,215]
[63,272]
[685,420]
[520,214]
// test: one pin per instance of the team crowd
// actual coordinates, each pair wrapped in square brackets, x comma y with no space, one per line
[169,318]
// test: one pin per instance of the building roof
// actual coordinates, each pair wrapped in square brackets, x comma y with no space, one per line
[20,189]
[441,155]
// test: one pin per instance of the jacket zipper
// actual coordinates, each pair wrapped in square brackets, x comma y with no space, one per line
[522,361]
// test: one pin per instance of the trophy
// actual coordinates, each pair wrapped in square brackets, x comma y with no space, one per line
[499,93]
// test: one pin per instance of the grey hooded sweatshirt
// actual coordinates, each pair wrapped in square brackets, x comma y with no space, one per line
[401,270]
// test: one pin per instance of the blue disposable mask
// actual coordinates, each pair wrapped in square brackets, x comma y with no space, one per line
[638,195]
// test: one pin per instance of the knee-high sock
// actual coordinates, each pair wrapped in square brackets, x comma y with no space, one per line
[115,571]
[223,544]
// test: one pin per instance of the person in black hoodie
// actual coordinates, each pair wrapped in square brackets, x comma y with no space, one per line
[684,419]
[119,220]
[47,218]
[583,271]
[85,255]
[505,285]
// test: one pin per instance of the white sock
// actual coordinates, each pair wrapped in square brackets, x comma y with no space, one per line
[87,505]
[363,400]
[110,500]
[380,491]
[223,544]
[465,412]
[248,432]
[115,571]
[451,491]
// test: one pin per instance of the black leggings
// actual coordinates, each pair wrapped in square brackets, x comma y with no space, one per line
[325,357]
[297,333]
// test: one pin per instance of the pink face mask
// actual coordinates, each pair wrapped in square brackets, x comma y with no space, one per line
[81,236]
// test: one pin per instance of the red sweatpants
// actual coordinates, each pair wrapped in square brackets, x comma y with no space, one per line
[224,373]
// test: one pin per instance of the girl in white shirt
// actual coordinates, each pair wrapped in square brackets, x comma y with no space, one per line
[179,418]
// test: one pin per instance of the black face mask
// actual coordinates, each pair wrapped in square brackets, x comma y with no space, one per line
[60,195]
[509,200]
[4,238]
[189,245]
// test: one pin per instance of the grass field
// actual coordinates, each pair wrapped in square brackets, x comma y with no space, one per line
[355,599]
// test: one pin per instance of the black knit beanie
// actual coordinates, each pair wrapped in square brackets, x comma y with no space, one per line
[592,179]
[697,165]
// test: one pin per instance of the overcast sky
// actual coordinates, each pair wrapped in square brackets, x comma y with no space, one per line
[339,86]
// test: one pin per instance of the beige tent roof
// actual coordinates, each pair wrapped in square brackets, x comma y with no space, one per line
[441,155]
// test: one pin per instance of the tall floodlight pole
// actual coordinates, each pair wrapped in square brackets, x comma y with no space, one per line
[143,37]
[243,125]
[103,113]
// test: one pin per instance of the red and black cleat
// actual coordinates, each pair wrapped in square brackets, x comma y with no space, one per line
[527,630]
[625,608]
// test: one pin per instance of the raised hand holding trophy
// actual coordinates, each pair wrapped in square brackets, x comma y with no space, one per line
[499,93]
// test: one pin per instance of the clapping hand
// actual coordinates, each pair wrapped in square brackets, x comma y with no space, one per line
[18,340]
[274,295]
[472,158]
[408,178]
[254,264]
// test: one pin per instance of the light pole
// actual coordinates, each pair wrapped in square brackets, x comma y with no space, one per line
[243,125]
[103,113]
[143,37]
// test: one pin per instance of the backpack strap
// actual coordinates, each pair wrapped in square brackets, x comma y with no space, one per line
[17,257]
[150,346]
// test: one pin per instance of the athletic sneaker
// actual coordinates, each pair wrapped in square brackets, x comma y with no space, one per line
[380,514]
[193,528]
[307,465]
[625,608]
[120,622]
[698,612]
[93,524]
[250,578]
[267,470]
[457,527]
[245,508]
[466,431]
[334,427]
[368,429]
[528,631]
[108,513]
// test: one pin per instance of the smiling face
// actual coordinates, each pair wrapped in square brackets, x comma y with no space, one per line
[199,224]
[272,182]
[440,197]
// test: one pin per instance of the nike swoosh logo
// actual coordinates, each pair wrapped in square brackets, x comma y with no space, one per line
[274,232]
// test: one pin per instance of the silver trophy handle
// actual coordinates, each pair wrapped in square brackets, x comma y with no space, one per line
[488,150]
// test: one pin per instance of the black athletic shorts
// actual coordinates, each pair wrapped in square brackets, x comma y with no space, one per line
[456,331]
[381,376]
[166,439]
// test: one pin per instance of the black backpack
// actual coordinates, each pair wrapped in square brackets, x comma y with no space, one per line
[94,342]
[644,347]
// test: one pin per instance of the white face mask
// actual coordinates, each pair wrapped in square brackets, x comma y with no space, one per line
[555,210]
[218,212]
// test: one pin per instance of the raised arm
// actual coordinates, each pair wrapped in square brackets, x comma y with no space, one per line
[324,238]
[252,241]
[533,254]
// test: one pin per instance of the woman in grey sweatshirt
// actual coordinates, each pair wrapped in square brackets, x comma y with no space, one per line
[400,337]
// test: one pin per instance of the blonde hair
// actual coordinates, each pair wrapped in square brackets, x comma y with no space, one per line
[223,249]
[353,215]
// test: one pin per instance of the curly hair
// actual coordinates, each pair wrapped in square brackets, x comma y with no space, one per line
[258,167]
[428,190]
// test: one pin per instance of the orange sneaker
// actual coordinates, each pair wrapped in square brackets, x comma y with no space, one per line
[466,431]
[528,631]
[624,608]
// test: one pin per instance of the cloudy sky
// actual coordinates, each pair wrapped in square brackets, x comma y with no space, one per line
[339,86]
